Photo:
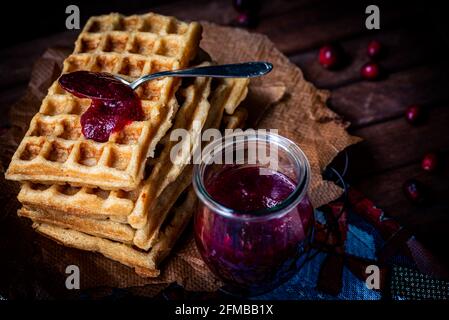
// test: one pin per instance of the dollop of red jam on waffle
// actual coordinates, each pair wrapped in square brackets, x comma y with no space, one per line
[113,106]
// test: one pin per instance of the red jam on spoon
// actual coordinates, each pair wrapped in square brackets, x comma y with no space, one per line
[114,104]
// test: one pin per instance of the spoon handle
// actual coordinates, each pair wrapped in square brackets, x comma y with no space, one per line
[237,70]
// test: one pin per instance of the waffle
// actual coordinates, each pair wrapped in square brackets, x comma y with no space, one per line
[224,96]
[236,120]
[54,150]
[139,207]
[105,228]
[144,263]
[118,231]
[100,228]
[93,235]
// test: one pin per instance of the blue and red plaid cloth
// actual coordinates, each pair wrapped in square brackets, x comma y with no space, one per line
[347,242]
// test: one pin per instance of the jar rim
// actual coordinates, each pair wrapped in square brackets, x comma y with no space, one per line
[300,161]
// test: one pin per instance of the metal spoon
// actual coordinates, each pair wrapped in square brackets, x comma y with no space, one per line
[238,70]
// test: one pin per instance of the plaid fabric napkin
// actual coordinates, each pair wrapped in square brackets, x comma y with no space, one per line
[347,242]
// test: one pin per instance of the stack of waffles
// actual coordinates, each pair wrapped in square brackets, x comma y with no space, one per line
[130,197]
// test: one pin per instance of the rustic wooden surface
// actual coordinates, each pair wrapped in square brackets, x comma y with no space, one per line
[416,72]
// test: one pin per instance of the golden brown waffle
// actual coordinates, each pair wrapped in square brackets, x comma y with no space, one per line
[100,228]
[122,232]
[118,205]
[236,120]
[145,263]
[119,231]
[166,171]
[105,228]
[54,149]
[239,90]
[138,206]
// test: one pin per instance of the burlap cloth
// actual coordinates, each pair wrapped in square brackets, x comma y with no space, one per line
[281,100]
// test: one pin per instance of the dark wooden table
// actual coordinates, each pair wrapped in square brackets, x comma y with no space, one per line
[415,68]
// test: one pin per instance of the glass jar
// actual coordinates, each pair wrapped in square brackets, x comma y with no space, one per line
[253,246]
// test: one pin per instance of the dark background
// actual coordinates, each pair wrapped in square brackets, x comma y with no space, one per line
[26,20]
[415,35]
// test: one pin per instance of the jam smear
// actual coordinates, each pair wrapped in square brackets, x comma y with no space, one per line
[113,106]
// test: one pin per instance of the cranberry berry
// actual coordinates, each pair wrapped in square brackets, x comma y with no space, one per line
[247,10]
[329,56]
[374,49]
[413,114]
[245,20]
[414,191]
[430,162]
[370,71]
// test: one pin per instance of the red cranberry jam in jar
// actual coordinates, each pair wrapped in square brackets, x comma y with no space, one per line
[254,220]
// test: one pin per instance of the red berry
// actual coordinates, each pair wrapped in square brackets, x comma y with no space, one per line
[245,20]
[374,49]
[414,191]
[429,162]
[370,71]
[329,56]
[413,114]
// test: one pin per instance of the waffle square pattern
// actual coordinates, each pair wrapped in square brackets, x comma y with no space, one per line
[129,198]
[54,149]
